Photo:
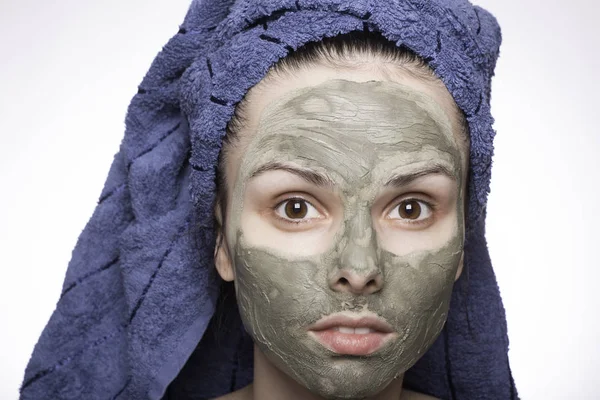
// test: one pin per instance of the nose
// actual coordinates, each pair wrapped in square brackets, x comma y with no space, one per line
[351,281]
[358,271]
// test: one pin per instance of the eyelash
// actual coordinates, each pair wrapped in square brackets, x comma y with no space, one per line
[291,221]
[432,207]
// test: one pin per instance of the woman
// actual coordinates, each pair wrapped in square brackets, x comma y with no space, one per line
[343,204]
[321,217]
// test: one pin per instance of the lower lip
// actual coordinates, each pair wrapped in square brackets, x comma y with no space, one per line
[351,343]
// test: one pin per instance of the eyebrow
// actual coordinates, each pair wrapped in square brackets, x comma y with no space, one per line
[405,179]
[306,174]
[324,181]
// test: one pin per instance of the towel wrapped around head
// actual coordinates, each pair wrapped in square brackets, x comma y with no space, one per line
[140,315]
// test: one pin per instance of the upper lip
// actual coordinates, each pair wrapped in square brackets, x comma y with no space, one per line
[369,320]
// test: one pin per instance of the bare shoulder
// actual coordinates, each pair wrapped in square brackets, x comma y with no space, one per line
[410,395]
[242,394]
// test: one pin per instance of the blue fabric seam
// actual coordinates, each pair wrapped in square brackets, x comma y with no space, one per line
[154,145]
[66,360]
[81,279]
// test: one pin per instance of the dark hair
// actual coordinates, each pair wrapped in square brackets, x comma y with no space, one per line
[336,52]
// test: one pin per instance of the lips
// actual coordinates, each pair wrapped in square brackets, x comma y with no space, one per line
[351,333]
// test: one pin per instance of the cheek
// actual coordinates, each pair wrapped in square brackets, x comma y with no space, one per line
[423,283]
[424,280]
[262,230]
[276,293]
[401,240]
[421,296]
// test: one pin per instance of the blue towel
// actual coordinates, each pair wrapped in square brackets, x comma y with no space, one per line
[143,314]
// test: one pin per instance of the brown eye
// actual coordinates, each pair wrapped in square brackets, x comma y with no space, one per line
[412,211]
[296,209]
[409,209]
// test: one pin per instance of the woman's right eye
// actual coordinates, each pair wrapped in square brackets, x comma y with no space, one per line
[296,210]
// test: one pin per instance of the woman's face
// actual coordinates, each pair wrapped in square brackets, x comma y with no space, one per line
[346,196]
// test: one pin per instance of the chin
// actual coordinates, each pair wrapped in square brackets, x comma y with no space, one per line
[332,377]
[347,390]
[345,383]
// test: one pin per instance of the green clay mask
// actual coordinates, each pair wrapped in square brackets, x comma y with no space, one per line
[360,136]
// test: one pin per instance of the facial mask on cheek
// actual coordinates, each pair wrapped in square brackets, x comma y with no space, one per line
[279,298]
[280,295]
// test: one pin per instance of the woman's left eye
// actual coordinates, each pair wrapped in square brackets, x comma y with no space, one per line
[412,211]
[296,210]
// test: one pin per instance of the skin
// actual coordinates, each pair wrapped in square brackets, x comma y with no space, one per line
[335,146]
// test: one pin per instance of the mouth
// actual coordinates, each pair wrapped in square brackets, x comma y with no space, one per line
[351,333]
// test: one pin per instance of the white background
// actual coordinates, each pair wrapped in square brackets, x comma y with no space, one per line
[68,69]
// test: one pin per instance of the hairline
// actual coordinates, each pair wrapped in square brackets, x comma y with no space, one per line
[326,55]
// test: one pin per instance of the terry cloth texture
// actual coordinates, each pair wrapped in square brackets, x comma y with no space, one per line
[138,317]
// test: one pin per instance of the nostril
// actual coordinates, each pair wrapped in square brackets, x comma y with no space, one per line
[354,283]
[370,285]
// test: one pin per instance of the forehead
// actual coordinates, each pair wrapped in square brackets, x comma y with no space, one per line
[273,88]
[376,112]
[353,129]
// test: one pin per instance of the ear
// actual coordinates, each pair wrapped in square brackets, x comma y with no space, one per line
[222,259]
[460,266]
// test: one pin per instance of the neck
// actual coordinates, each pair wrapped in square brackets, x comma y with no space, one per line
[272,384]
